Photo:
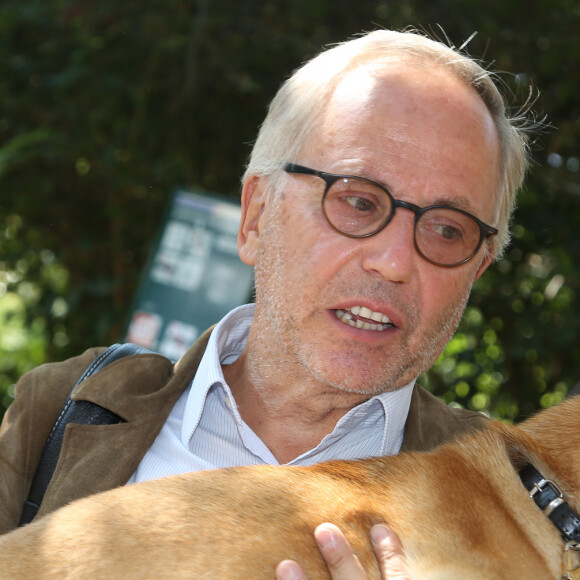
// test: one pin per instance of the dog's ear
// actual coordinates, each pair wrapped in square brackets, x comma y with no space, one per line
[520,446]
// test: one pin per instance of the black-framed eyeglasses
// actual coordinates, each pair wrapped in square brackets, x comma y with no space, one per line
[357,207]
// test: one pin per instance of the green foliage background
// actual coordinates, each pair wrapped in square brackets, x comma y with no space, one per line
[107,106]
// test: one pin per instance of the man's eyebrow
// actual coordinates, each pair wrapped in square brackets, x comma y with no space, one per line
[457,202]
[460,202]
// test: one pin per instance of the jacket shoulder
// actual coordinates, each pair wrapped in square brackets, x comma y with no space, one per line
[56,377]
[40,393]
[431,422]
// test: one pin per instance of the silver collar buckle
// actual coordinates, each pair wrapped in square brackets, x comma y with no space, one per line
[540,486]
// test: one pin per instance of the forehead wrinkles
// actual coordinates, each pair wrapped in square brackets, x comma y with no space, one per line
[398,135]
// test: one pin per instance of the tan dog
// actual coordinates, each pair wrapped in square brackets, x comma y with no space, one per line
[461,512]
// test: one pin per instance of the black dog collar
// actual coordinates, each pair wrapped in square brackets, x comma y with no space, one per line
[548,497]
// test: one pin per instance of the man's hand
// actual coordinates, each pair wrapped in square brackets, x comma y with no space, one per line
[341,561]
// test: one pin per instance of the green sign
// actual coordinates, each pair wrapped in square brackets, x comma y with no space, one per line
[194,275]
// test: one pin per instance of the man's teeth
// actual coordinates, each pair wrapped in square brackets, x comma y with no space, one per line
[353,316]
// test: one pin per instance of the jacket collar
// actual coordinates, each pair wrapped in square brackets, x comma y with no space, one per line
[150,383]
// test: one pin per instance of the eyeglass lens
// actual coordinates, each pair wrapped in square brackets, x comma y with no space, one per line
[359,208]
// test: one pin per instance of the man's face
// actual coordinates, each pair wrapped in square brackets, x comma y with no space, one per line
[429,140]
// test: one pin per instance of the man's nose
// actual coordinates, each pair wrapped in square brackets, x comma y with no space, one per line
[391,253]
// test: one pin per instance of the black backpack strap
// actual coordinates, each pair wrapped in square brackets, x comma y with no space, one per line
[82,412]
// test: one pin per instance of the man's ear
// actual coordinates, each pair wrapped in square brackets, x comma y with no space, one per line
[254,197]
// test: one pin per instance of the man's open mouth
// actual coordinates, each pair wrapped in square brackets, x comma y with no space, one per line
[363,317]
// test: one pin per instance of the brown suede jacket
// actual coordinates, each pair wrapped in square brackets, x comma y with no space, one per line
[142,389]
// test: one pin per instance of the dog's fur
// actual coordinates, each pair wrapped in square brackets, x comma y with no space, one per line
[460,511]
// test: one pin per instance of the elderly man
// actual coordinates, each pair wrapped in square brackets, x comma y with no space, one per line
[379,189]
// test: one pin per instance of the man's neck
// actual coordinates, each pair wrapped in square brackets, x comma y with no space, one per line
[291,416]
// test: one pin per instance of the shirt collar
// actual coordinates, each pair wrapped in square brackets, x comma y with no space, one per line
[392,407]
[225,345]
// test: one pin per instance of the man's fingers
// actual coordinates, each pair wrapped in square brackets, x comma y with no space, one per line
[389,552]
[289,570]
[340,559]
